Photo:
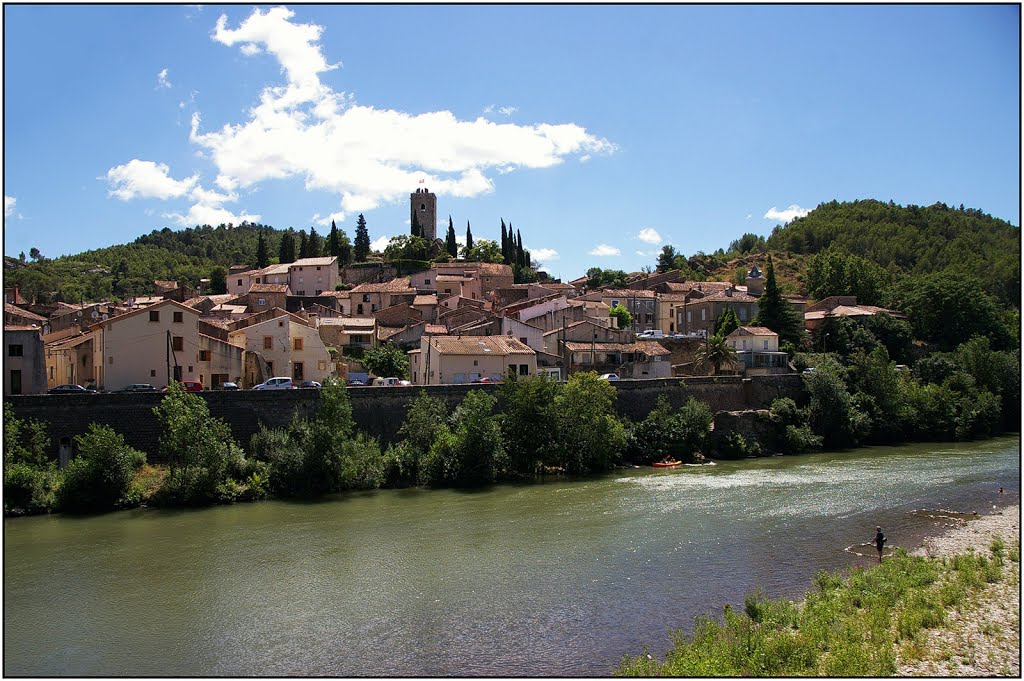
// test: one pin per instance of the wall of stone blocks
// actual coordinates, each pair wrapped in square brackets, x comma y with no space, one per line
[378,411]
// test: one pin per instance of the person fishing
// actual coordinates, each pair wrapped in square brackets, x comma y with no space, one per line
[879,542]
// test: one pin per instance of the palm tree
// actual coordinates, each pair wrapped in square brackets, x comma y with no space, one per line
[716,353]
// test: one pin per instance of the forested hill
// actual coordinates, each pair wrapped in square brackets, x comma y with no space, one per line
[913,240]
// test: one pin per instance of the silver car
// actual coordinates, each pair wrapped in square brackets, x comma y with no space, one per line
[276,383]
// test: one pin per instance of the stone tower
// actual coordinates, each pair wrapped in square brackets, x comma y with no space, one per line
[755,282]
[423,208]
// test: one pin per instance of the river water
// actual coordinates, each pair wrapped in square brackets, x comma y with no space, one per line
[553,578]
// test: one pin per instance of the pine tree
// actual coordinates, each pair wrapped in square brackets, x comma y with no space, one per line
[362,245]
[775,312]
[469,237]
[262,257]
[316,244]
[333,245]
[303,245]
[504,244]
[451,245]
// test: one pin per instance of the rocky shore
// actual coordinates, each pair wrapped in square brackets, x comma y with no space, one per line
[983,638]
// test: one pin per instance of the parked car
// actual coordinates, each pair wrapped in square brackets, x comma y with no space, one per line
[484,379]
[389,382]
[404,382]
[229,386]
[355,381]
[609,377]
[276,383]
[311,384]
[138,388]
[808,370]
[651,333]
[192,386]
[69,388]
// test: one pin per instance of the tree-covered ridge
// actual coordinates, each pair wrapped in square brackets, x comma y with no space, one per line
[913,240]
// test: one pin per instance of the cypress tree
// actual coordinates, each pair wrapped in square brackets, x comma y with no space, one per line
[333,245]
[450,244]
[286,252]
[504,244]
[469,237]
[416,229]
[303,245]
[344,248]
[362,245]
[262,257]
[520,256]
[775,312]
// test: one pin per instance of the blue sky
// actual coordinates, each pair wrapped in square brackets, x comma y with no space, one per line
[601,132]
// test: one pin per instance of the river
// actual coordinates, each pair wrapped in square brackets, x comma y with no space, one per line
[553,578]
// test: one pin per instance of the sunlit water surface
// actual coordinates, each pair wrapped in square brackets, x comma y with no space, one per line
[554,578]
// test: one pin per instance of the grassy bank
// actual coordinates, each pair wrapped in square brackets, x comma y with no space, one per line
[862,624]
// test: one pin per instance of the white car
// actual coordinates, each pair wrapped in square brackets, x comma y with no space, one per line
[609,377]
[276,383]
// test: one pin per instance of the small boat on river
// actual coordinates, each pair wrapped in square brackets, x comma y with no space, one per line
[667,463]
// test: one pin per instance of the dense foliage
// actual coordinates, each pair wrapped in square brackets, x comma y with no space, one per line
[100,477]
[386,361]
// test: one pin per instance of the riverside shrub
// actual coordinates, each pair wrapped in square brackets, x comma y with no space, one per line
[100,478]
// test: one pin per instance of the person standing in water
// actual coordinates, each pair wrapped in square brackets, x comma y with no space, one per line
[879,542]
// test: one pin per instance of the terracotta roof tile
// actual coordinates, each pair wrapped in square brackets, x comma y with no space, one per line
[753,331]
[15,310]
[480,345]
[397,285]
[269,288]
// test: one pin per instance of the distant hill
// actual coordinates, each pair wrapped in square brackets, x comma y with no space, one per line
[913,240]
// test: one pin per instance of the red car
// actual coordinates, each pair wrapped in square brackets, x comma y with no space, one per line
[192,386]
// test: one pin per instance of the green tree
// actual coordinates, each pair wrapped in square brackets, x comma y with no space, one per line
[315,246]
[527,421]
[286,251]
[716,353]
[727,322]
[450,243]
[303,245]
[775,312]
[831,411]
[589,438]
[505,250]
[469,237]
[344,249]
[666,258]
[483,250]
[262,256]
[415,229]
[99,478]
[386,361]
[476,442]
[219,280]
[520,254]
[24,441]
[333,241]
[362,243]
[624,316]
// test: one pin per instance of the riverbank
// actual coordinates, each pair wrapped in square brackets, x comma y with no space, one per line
[981,638]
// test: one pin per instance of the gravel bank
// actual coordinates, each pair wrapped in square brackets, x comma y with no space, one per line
[984,638]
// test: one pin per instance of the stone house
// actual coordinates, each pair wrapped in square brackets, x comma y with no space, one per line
[757,347]
[453,359]
[340,332]
[585,331]
[289,344]
[368,298]
[306,276]
[700,309]
[71,361]
[641,303]
[639,359]
[16,316]
[24,362]
[842,306]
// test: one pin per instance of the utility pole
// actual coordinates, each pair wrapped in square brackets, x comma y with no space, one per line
[168,356]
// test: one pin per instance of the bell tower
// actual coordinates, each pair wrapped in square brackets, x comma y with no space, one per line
[423,211]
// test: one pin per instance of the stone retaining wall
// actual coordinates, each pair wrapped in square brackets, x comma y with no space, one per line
[378,411]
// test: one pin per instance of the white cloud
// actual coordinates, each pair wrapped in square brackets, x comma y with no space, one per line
[207,210]
[161,79]
[749,215]
[146,179]
[508,110]
[326,221]
[380,244]
[366,155]
[605,250]
[9,202]
[648,254]
[788,215]
[543,254]
[250,49]
[649,236]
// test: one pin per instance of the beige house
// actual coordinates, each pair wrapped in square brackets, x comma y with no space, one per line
[304,277]
[842,306]
[138,347]
[340,332]
[219,362]
[366,299]
[71,361]
[24,363]
[757,347]
[639,359]
[453,359]
[289,344]
[585,331]
[641,303]
[458,285]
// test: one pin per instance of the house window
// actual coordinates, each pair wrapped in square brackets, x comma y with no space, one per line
[261,301]
[51,372]
[366,297]
[359,309]
[523,339]
[239,282]
[524,369]
[476,362]
[614,303]
[321,365]
[152,373]
[280,324]
[426,282]
[296,344]
[190,369]
[300,293]
[447,290]
[15,351]
[268,342]
[204,355]
[703,314]
[110,360]
[177,343]
[154,315]
[319,291]
[743,314]
[318,268]
[179,317]
[689,315]
[766,345]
